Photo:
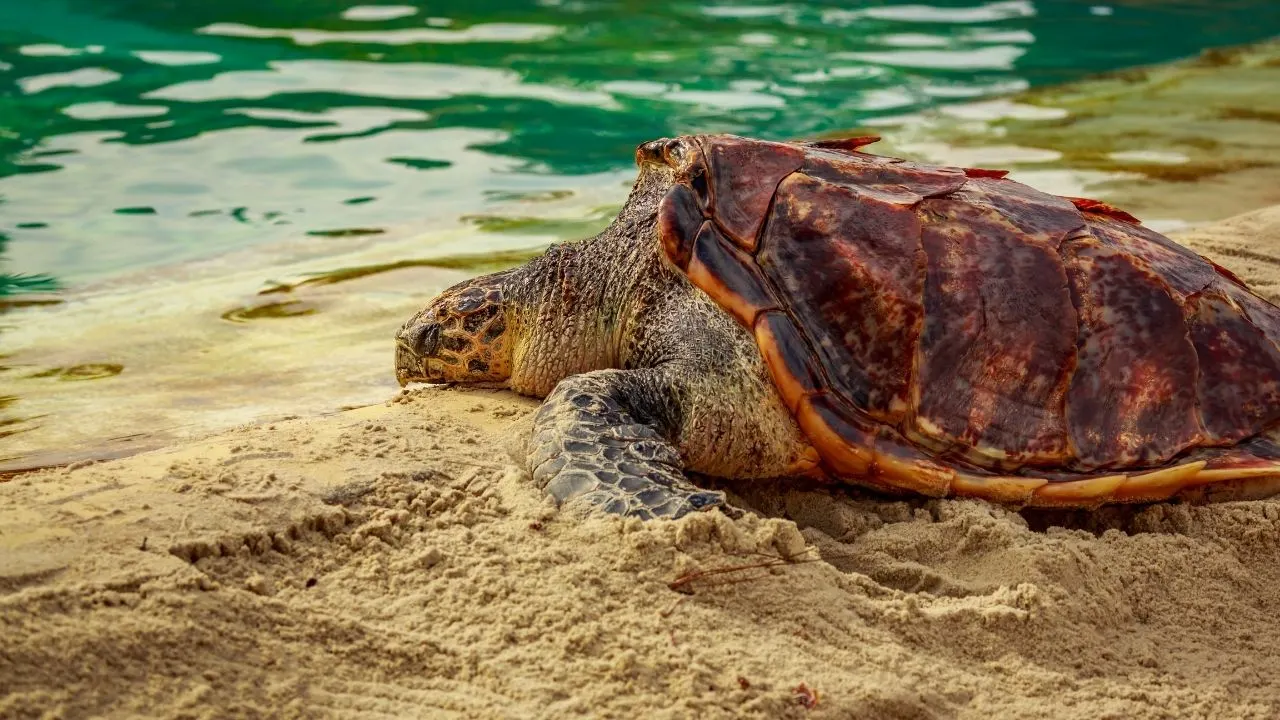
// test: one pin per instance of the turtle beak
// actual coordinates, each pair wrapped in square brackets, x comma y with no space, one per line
[415,342]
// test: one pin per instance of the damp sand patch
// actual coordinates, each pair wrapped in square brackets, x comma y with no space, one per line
[1174,144]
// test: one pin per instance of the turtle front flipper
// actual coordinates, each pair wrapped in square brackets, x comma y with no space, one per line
[599,438]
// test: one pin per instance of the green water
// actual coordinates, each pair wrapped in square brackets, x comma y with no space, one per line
[141,132]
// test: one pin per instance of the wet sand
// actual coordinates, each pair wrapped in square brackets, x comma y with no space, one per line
[1176,144]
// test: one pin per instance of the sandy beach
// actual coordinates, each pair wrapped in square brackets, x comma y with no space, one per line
[393,561]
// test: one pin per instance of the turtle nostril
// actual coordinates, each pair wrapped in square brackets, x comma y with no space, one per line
[421,339]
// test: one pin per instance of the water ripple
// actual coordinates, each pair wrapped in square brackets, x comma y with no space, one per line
[989,12]
[402,81]
[483,33]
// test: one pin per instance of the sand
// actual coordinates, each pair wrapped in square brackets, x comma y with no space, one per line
[392,561]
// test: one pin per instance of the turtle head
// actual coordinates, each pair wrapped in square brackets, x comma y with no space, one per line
[459,337]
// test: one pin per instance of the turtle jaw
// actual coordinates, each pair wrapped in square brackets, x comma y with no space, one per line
[416,341]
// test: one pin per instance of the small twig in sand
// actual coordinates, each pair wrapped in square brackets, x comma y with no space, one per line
[681,583]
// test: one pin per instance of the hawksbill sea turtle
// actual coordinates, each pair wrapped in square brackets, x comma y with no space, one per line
[777,309]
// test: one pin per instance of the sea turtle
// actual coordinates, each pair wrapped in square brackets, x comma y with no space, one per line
[773,309]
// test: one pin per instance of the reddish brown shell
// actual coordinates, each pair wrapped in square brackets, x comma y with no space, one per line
[950,331]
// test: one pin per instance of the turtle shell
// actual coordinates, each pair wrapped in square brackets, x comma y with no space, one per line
[948,330]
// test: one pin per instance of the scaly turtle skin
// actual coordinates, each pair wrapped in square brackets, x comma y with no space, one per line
[763,309]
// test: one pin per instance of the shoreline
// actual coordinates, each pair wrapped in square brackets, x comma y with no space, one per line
[241,337]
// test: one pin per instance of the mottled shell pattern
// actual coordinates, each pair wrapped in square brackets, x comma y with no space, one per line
[950,331]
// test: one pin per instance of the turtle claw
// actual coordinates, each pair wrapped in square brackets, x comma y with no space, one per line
[680,502]
[705,500]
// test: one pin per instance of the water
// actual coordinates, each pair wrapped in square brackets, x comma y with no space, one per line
[143,132]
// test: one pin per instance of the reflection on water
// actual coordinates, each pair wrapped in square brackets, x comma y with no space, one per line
[138,132]
[288,308]
[19,283]
[90,371]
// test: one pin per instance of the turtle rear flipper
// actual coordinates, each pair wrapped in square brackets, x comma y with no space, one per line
[597,439]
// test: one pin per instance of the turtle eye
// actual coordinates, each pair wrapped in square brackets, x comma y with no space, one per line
[674,152]
[420,338]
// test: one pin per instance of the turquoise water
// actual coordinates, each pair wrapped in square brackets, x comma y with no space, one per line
[139,132]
